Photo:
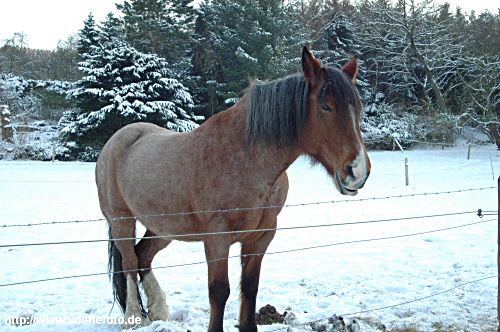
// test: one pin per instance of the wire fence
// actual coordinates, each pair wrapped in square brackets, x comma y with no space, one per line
[480,213]
[47,181]
[243,209]
[250,255]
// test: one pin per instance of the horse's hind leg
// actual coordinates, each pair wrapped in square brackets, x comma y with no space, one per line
[146,249]
[126,292]
[251,260]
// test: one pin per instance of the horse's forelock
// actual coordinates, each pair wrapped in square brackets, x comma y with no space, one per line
[341,88]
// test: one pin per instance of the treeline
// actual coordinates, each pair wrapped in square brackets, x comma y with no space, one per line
[59,64]
[426,70]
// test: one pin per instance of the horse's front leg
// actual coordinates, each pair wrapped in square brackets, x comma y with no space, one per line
[217,251]
[251,260]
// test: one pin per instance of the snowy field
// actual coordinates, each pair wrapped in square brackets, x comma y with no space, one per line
[313,284]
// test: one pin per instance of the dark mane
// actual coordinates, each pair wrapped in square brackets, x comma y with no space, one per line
[277,110]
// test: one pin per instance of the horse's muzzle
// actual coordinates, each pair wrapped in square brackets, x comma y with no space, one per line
[354,176]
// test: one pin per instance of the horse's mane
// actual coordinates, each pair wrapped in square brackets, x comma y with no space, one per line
[277,110]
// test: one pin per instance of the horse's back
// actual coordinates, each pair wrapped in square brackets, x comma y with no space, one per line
[127,136]
[113,156]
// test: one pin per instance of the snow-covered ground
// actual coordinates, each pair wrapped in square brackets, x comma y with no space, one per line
[313,284]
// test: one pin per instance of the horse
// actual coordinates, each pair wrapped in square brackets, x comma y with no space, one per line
[236,162]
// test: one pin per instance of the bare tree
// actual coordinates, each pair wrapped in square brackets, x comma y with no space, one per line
[14,52]
[481,86]
[413,55]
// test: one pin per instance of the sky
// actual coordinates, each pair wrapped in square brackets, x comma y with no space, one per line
[45,22]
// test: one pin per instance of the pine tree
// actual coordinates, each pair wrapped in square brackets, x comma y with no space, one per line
[162,27]
[206,70]
[88,36]
[120,86]
[113,27]
[240,40]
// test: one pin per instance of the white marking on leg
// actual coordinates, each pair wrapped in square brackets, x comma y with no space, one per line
[133,310]
[157,305]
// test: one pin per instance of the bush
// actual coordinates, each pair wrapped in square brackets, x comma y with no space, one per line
[17,93]
[36,141]
[381,125]
[34,99]
[53,101]
[441,128]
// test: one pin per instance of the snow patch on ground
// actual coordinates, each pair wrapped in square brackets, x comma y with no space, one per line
[313,284]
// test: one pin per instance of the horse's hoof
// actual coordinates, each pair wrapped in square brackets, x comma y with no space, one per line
[158,312]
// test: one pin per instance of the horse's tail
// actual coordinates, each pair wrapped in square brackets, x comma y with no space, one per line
[118,280]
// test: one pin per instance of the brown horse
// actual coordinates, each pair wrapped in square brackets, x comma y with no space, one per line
[236,159]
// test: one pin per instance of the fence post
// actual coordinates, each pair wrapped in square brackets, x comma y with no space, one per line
[407,178]
[5,122]
[53,151]
[498,256]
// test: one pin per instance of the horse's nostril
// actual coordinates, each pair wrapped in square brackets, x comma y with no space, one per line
[350,171]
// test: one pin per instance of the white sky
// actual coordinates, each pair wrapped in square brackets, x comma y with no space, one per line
[45,22]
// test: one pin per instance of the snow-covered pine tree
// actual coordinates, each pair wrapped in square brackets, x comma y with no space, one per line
[88,36]
[338,44]
[113,27]
[238,40]
[120,86]
[162,27]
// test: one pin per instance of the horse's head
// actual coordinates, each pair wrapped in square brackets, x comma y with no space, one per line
[332,135]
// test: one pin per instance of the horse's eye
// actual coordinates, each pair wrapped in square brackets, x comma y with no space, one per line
[326,108]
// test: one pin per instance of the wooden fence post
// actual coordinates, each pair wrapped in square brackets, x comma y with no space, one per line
[5,122]
[407,178]
[498,256]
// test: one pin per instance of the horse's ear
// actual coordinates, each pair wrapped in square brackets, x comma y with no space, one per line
[311,68]
[351,68]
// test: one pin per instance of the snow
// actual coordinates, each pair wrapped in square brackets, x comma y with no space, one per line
[37,140]
[241,53]
[313,284]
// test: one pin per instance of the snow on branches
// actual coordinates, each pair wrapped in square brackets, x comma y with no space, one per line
[122,85]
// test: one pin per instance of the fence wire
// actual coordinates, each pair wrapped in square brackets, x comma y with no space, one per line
[250,255]
[243,209]
[479,213]
[47,181]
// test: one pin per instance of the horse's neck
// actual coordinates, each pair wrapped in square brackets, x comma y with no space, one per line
[266,162]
